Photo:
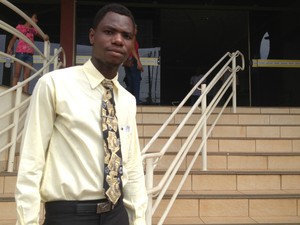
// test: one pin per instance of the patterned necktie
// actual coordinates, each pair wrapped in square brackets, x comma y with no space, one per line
[113,169]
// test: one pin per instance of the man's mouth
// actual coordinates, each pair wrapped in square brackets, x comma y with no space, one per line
[116,51]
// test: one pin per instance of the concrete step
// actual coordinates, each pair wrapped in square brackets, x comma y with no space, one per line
[212,208]
[261,145]
[238,161]
[8,208]
[7,184]
[253,169]
[281,182]
[8,222]
[229,131]
[239,110]
[8,213]
[215,221]
[225,119]
[243,181]
[231,220]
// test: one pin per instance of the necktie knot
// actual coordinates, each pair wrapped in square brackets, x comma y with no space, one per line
[107,84]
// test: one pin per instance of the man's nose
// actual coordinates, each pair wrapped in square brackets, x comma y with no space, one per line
[118,39]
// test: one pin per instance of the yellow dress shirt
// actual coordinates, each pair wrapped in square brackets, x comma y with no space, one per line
[62,147]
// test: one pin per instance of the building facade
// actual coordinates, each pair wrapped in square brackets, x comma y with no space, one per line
[196,34]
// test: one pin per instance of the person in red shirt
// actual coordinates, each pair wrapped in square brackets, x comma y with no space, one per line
[133,69]
[23,50]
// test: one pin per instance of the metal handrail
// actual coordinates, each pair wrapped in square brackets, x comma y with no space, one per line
[17,33]
[38,73]
[18,104]
[152,159]
[17,60]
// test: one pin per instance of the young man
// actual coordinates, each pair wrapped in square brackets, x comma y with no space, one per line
[62,152]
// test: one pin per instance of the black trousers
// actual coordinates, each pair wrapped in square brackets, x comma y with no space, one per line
[66,213]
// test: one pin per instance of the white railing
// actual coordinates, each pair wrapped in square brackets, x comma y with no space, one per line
[12,116]
[152,157]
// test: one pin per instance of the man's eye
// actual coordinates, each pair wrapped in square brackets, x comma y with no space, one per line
[108,32]
[127,36]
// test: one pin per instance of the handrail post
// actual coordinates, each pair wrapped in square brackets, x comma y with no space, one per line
[149,186]
[47,55]
[203,111]
[55,64]
[234,83]
[16,117]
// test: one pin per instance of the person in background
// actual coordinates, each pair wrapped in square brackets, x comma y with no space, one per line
[133,69]
[24,51]
[63,146]
[193,81]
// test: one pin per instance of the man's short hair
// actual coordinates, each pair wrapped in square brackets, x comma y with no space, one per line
[113,7]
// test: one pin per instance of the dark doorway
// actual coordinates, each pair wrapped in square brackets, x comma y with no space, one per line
[276,86]
[193,38]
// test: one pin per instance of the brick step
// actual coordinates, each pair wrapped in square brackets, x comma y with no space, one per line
[231,220]
[235,194]
[287,181]
[239,161]
[7,197]
[212,194]
[7,209]
[229,131]
[230,205]
[234,172]
[239,110]
[8,214]
[284,145]
[225,119]
[281,182]
[7,184]
[209,207]
[8,222]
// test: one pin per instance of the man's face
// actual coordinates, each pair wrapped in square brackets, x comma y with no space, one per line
[112,40]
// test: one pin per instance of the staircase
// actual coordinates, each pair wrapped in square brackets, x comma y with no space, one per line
[253,172]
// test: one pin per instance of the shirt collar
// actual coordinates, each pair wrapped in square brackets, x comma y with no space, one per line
[95,77]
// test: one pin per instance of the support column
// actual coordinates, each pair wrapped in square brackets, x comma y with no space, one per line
[67,30]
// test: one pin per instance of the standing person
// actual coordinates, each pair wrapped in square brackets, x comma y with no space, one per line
[63,146]
[24,51]
[193,81]
[133,69]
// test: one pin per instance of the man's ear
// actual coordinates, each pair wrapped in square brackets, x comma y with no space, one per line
[92,36]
